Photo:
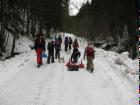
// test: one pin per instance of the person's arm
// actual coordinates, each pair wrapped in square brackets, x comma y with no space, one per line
[79,54]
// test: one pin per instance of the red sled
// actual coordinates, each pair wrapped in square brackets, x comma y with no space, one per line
[74,67]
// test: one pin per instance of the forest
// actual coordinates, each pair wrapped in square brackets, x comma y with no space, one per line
[114,21]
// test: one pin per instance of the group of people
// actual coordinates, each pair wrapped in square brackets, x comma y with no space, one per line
[68,43]
[55,46]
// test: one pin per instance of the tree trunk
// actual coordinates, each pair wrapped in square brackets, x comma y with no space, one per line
[13,47]
[133,41]
[28,22]
[2,28]
[48,31]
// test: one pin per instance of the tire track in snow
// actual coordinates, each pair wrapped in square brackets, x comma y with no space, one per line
[50,91]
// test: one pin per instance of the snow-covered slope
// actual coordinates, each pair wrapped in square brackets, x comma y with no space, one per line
[114,81]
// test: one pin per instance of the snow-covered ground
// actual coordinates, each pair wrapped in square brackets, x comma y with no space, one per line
[113,82]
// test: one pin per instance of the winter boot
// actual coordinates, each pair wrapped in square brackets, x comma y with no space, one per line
[92,70]
[38,65]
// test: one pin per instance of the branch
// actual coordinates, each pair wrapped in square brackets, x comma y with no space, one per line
[9,30]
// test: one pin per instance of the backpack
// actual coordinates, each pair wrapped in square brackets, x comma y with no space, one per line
[50,46]
[90,51]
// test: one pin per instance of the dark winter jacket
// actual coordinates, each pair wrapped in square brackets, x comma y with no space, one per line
[75,53]
[57,45]
[66,42]
[50,47]
[60,39]
[39,43]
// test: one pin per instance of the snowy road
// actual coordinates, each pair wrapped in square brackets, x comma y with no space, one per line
[53,85]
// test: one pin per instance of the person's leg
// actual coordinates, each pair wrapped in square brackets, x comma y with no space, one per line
[60,46]
[70,46]
[39,56]
[55,54]
[49,56]
[91,64]
[52,57]
[76,60]
[66,47]
[88,63]
[58,54]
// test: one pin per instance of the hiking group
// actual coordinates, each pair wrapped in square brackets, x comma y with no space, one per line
[54,48]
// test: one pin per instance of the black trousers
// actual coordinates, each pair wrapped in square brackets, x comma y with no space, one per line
[66,47]
[69,46]
[50,57]
[57,54]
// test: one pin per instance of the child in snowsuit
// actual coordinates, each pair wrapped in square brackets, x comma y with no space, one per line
[90,54]
[66,43]
[39,47]
[50,48]
[70,43]
[57,48]
[75,55]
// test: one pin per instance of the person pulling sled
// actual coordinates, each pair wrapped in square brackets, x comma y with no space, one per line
[75,55]
[72,64]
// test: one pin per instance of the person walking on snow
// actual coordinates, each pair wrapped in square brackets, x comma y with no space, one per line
[66,43]
[60,39]
[50,48]
[70,43]
[39,47]
[57,48]
[75,55]
[75,44]
[90,54]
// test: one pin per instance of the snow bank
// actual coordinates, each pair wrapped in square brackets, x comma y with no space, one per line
[122,63]
[11,66]
[22,45]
